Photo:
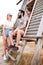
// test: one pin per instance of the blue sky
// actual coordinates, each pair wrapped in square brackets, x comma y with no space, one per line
[8,6]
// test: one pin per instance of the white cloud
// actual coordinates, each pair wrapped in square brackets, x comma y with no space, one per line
[8,6]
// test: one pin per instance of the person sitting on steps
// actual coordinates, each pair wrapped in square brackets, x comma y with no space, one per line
[20,26]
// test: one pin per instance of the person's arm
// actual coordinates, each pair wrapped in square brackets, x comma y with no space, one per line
[23,25]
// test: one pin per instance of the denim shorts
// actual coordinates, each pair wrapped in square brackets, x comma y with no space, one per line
[7,30]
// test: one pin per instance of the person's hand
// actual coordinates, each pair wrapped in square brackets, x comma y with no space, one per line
[17,28]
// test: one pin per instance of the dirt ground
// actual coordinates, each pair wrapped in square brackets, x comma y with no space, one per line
[26,56]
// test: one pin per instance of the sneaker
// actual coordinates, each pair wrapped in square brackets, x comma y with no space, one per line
[4,57]
[15,48]
[11,46]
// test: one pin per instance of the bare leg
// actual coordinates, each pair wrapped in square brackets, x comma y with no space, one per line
[8,41]
[4,44]
[11,36]
[19,33]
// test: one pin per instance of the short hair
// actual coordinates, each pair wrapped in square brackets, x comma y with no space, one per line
[22,12]
[29,8]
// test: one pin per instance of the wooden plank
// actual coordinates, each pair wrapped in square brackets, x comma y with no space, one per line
[36,23]
[33,27]
[38,6]
[36,18]
[30,34]
[36,37]
[21,51]
[32,19]
[30,39]
[39,3]
[38,11]
[41,13]
[30,30]
[36,56]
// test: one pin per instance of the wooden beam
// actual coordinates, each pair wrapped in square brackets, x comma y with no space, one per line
[32,38]
[18,2]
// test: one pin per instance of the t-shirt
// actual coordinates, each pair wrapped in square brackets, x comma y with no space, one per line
[8,24]
[26,18]
[19,22]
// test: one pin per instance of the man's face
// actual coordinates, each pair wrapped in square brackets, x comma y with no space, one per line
[28,12]
[9,18]
[19,15]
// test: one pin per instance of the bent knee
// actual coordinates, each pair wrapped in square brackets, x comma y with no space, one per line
[18,32]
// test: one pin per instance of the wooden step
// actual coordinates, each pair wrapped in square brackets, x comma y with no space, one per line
[29,39]
[36,18]
[41,13]
[33,27]
[38,11]
[27,36]
[40,1]
[32,19]
[36,23]
[31,33]
[38,7]
[39,4]
[29,30]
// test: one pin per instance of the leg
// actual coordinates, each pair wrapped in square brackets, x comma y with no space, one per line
[4,44]
[19,34]
[8,41]
[11,35]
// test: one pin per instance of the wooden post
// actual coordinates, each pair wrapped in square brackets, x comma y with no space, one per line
[39,45]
